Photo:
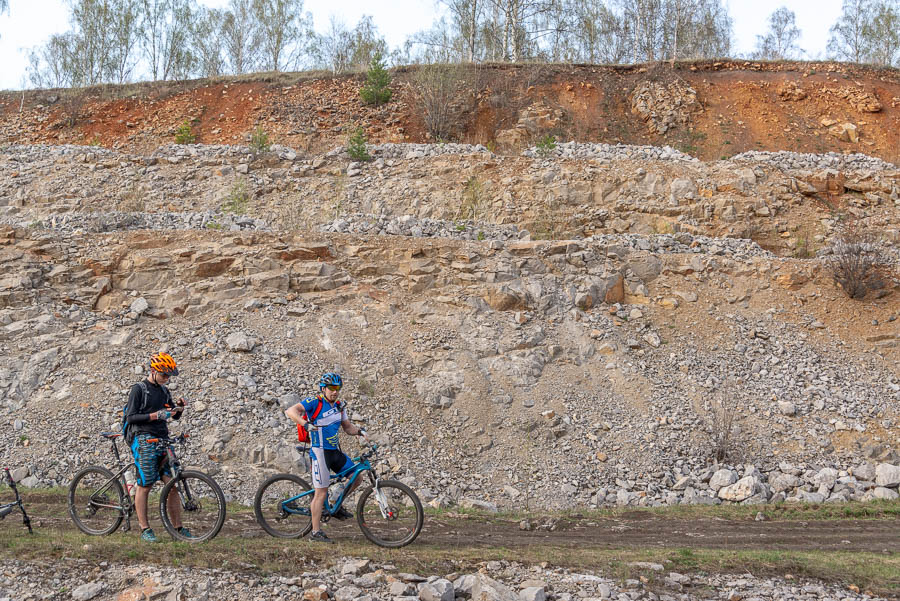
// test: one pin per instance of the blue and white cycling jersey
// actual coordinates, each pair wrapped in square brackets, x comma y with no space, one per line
[328,422]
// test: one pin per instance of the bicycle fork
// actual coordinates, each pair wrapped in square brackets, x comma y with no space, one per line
[382,500]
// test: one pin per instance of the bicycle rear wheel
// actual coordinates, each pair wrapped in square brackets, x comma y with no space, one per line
[198,502]
[390,516]
[96,501]
[276,513]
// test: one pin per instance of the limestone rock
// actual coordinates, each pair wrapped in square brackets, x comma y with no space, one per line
[887,475]
[239,342]
[87,591]
[721,478]
[742,489]
[488,589]
[437,590]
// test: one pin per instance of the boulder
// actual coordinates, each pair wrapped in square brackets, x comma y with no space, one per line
[437,590]
[784,482]
[722,478]
[741,490]
[533,593]
[846,132]
[886,494]
[140,305]
[464,585]
[347,593]
[887,475]
[87,591]
[239,342]
[488,589]
[865,472]
[826,477]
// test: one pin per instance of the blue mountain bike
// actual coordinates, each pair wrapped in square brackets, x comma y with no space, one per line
[388,512]
[7,508]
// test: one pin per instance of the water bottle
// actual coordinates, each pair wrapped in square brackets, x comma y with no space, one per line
[129,483]
[336,493]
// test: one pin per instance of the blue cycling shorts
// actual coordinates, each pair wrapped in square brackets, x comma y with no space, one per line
[147,457]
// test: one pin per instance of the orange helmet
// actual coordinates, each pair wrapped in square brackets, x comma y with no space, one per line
[164,364]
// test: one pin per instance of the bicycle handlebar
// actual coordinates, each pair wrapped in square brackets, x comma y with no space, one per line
[180,439]
[369,453]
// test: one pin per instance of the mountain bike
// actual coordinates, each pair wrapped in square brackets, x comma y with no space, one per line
[388,512]
[98,502]
[7,508]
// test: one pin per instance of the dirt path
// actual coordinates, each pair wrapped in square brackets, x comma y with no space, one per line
[633,529]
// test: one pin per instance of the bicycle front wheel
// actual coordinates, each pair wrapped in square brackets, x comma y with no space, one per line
[279,508]
[96,501]
[391,515]
[194,501]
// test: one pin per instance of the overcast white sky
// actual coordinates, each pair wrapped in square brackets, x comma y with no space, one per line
[30,22]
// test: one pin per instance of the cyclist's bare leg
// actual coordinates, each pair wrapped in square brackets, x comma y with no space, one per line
[173,503]
[353,487]
[316,508]
[140,505]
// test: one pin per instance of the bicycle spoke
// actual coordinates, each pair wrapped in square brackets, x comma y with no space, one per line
[96,501]
[390,516]
[278,508]
[193,501]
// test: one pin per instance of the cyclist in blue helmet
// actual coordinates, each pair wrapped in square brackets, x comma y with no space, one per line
[324,416]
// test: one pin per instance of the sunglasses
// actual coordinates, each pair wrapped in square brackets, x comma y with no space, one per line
[160,374]
[334,388]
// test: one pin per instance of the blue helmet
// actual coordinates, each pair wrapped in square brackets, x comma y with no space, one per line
[330,379]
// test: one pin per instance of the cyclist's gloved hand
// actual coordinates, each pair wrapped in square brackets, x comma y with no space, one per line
[179,406]
[163,415]
[310,427]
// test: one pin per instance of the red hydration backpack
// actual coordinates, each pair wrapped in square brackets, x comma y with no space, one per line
[303,433]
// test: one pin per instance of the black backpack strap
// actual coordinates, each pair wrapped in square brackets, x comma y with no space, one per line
[146,396]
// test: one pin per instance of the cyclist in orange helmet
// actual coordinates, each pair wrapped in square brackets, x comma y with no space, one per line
[149,406]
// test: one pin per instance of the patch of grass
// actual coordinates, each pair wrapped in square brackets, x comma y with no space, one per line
[132,200]
[238,198]
[876,572]
[473,201]
[365,387]
[259,140]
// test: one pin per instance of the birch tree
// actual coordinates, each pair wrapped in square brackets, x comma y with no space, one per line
[283,29]
[848,36]
[241,37]
[882,34]
[780,43]
[164,34]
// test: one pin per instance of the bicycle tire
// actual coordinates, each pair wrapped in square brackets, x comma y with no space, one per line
[407,514]
[86,492]
[203,520]
[267,506]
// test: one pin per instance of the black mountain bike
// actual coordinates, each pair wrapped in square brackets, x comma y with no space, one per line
[98,502]
[388,512]
[8,508]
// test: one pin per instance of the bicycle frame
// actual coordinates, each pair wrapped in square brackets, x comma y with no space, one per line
[123,467]
[358,468]
[7,508]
